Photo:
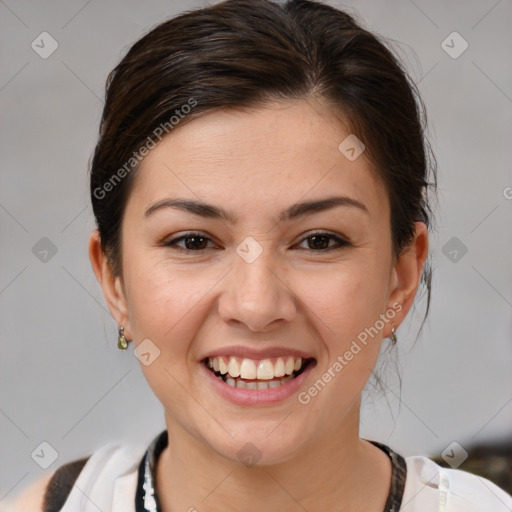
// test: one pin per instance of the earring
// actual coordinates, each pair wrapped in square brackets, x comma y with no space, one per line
[122,344]
[393,335]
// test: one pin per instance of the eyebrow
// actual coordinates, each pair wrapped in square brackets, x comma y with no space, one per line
[295,211]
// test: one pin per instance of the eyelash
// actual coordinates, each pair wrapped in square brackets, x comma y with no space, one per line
[340,241]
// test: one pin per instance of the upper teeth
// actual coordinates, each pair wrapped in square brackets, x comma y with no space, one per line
[263,369]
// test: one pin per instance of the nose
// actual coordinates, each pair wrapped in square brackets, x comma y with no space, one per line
[256,295]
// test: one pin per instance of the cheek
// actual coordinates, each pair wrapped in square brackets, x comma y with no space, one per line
[346,309]
[161,305]
[346,305]
[169,304]
[346,299]
[168,308]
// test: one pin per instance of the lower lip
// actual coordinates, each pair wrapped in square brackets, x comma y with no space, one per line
[256,396]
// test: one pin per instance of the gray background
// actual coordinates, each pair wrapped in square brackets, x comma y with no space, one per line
[63,380]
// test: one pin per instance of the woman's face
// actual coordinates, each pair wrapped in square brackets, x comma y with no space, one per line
[255,283]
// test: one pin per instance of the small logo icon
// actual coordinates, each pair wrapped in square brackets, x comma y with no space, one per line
[454,249]
[44,455]
[351,147]
[44,45]
[249,249]
[44,250]
[146,352]
[454,45]
[454,454]
[248,455]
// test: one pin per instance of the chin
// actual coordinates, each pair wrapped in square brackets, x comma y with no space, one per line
[258,443]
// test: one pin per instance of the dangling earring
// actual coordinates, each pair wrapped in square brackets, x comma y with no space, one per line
[122,344]
[393,335]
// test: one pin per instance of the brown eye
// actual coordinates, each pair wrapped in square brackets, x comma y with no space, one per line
[192,242]
[319,242]
[195,242]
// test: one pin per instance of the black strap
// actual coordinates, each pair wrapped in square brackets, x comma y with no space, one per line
[147,468]
[61,483]
[398,478]
[139,493]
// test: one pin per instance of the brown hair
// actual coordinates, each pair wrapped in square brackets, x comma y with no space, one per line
[243,54]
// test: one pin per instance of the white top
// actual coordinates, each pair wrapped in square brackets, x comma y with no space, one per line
[108,481]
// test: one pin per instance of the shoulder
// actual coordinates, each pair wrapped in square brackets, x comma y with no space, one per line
[31,498]
[50,491]
[431,487]
[98,472]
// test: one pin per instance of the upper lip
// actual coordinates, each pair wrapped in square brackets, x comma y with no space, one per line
[257,353]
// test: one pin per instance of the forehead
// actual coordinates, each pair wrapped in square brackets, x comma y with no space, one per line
[264,157]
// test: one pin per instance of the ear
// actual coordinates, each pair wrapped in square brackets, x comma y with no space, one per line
[112,285]
[406,275]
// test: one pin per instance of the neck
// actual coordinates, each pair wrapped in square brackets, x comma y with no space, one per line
[337,472]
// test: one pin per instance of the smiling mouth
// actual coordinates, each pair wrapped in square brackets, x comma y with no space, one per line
[245,373]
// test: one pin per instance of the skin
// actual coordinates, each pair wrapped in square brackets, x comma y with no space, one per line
[255,164]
